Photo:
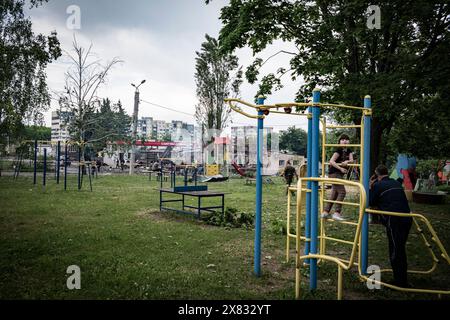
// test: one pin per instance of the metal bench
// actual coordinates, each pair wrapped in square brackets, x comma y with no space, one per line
[197,194]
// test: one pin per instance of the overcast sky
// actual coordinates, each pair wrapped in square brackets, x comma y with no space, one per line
[157,41]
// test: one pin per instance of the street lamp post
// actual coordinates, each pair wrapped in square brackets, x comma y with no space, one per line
[135,123]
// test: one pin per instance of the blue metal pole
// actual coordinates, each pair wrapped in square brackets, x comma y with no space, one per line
[314,188]
[308,174]
[45,167]
[365,179]
[65,166]
[258,222]
[79,168]
[58,164]
[35,161]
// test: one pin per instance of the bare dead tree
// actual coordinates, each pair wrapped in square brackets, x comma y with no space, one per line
[83,79]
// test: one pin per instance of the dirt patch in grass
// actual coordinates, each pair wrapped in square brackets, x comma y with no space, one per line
[162,217]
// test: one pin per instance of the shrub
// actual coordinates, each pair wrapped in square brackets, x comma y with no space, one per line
[231,218]
[278,226]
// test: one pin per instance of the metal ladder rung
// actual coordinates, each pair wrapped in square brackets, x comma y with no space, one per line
[340,145]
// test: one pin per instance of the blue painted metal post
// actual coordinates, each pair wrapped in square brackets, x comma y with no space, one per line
[45,167]
[65,166]
[58,163]
[308,185]
[258,222]
[79,168]
[35,161]
[314,188]
[366,178]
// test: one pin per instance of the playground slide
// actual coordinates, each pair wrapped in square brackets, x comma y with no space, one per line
[238,169]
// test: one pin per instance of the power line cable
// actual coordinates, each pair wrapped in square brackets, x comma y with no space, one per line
[167,108]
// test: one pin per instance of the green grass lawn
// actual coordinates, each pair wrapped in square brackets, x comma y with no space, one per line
[126,249]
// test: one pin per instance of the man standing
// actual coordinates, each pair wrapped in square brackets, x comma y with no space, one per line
[289,173]
[388,195]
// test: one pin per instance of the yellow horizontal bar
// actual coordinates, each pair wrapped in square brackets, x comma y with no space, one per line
[294,236]
[293,189]
[337,240]
[296,104]
[348,261]
[343,222]
[348,165]
[341,106]
[404,289]
[343,126]
[312,104]
[409,271]
[325,257]
[342,202]
[236,109]
[398,214]
[340,145]
[291,114]
[242,102]
[293,104]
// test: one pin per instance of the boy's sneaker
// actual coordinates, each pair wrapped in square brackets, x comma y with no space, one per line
[338,217]
[325,215]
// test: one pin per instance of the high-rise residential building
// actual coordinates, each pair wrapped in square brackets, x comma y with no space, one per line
[145,128]
[160,129]
[153,129]
[60,123]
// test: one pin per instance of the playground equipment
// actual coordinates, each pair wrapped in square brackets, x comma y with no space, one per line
[238,169]
[312,199]
[405,170]
[212,169]
[315,245]
[356,248]
[34,145]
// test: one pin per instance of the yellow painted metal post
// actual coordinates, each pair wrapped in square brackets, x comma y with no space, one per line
[339,293]
[288,223]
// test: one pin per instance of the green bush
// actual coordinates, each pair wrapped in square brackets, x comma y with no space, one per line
[232,218]
[278,226]
[425,167]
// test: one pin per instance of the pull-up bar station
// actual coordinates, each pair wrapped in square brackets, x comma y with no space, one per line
[34,146]
[312,196]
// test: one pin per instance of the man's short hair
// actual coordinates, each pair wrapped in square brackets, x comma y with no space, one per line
[381,170]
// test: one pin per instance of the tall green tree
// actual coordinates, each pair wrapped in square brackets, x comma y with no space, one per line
[423,131]
[217,77]
[37,132]
[24,57]
[107,123]
[403,64]
[294,140]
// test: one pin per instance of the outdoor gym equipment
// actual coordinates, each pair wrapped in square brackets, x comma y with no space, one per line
[81,164]
[356,255]
[191,191]
[312,199]
[315,245]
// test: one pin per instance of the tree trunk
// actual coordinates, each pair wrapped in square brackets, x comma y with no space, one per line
[376,140]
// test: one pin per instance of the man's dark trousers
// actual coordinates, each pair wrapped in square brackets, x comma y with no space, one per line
[397,229]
